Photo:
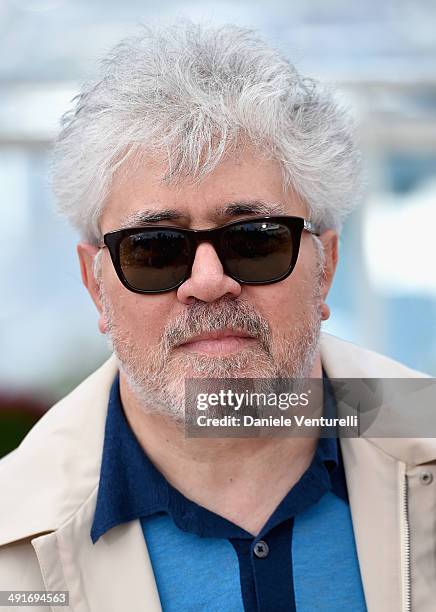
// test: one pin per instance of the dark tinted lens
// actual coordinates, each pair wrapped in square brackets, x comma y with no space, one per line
[154,260]
[258,251]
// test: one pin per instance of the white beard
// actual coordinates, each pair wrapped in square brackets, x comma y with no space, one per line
[158,379]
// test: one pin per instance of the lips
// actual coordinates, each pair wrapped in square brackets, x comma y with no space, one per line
[217,335]
[216,342]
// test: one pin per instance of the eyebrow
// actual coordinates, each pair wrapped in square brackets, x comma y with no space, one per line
[233,209]
[145,217]
[250,207]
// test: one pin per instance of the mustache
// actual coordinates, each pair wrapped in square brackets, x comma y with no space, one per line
[202,317]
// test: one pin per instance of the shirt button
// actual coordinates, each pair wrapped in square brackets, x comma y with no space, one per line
[426,478]
[261,549]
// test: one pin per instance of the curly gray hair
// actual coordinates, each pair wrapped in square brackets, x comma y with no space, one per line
[192,93]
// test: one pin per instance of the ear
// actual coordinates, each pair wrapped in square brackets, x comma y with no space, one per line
[87,253]
[329,240]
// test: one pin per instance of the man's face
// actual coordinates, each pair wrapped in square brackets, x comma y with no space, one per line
[211,326]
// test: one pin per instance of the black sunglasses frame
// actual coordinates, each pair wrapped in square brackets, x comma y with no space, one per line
[295,225]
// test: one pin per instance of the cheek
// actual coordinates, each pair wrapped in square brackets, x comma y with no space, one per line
[286,303]
[142,316]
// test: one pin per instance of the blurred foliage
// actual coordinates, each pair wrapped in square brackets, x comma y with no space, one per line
[18,414]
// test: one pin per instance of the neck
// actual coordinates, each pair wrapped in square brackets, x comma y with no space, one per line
[241,479]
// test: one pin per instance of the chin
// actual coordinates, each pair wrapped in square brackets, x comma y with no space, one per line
[241,364]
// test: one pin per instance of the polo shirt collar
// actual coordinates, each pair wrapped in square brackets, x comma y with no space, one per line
[131,487]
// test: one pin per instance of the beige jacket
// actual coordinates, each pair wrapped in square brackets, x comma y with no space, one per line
[48,490]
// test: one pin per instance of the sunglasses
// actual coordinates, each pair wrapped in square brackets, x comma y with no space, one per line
[256,251]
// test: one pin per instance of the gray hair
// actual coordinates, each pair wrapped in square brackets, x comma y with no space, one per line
[193,93]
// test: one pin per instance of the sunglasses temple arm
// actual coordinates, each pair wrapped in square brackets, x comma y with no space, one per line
[310,227]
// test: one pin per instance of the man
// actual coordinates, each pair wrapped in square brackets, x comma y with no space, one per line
[209,182]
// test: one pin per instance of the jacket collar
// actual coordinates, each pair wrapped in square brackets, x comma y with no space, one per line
[64,448]
[57,464]
[343,359]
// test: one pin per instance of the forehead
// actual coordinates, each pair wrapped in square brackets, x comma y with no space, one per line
[244,185]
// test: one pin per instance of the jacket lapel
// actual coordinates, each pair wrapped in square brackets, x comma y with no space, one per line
[57,465]
[375,503]
[113,574]
[374,470]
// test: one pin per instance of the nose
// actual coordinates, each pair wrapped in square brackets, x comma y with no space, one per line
[207,281]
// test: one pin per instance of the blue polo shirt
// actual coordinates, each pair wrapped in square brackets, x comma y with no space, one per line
[303,559]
